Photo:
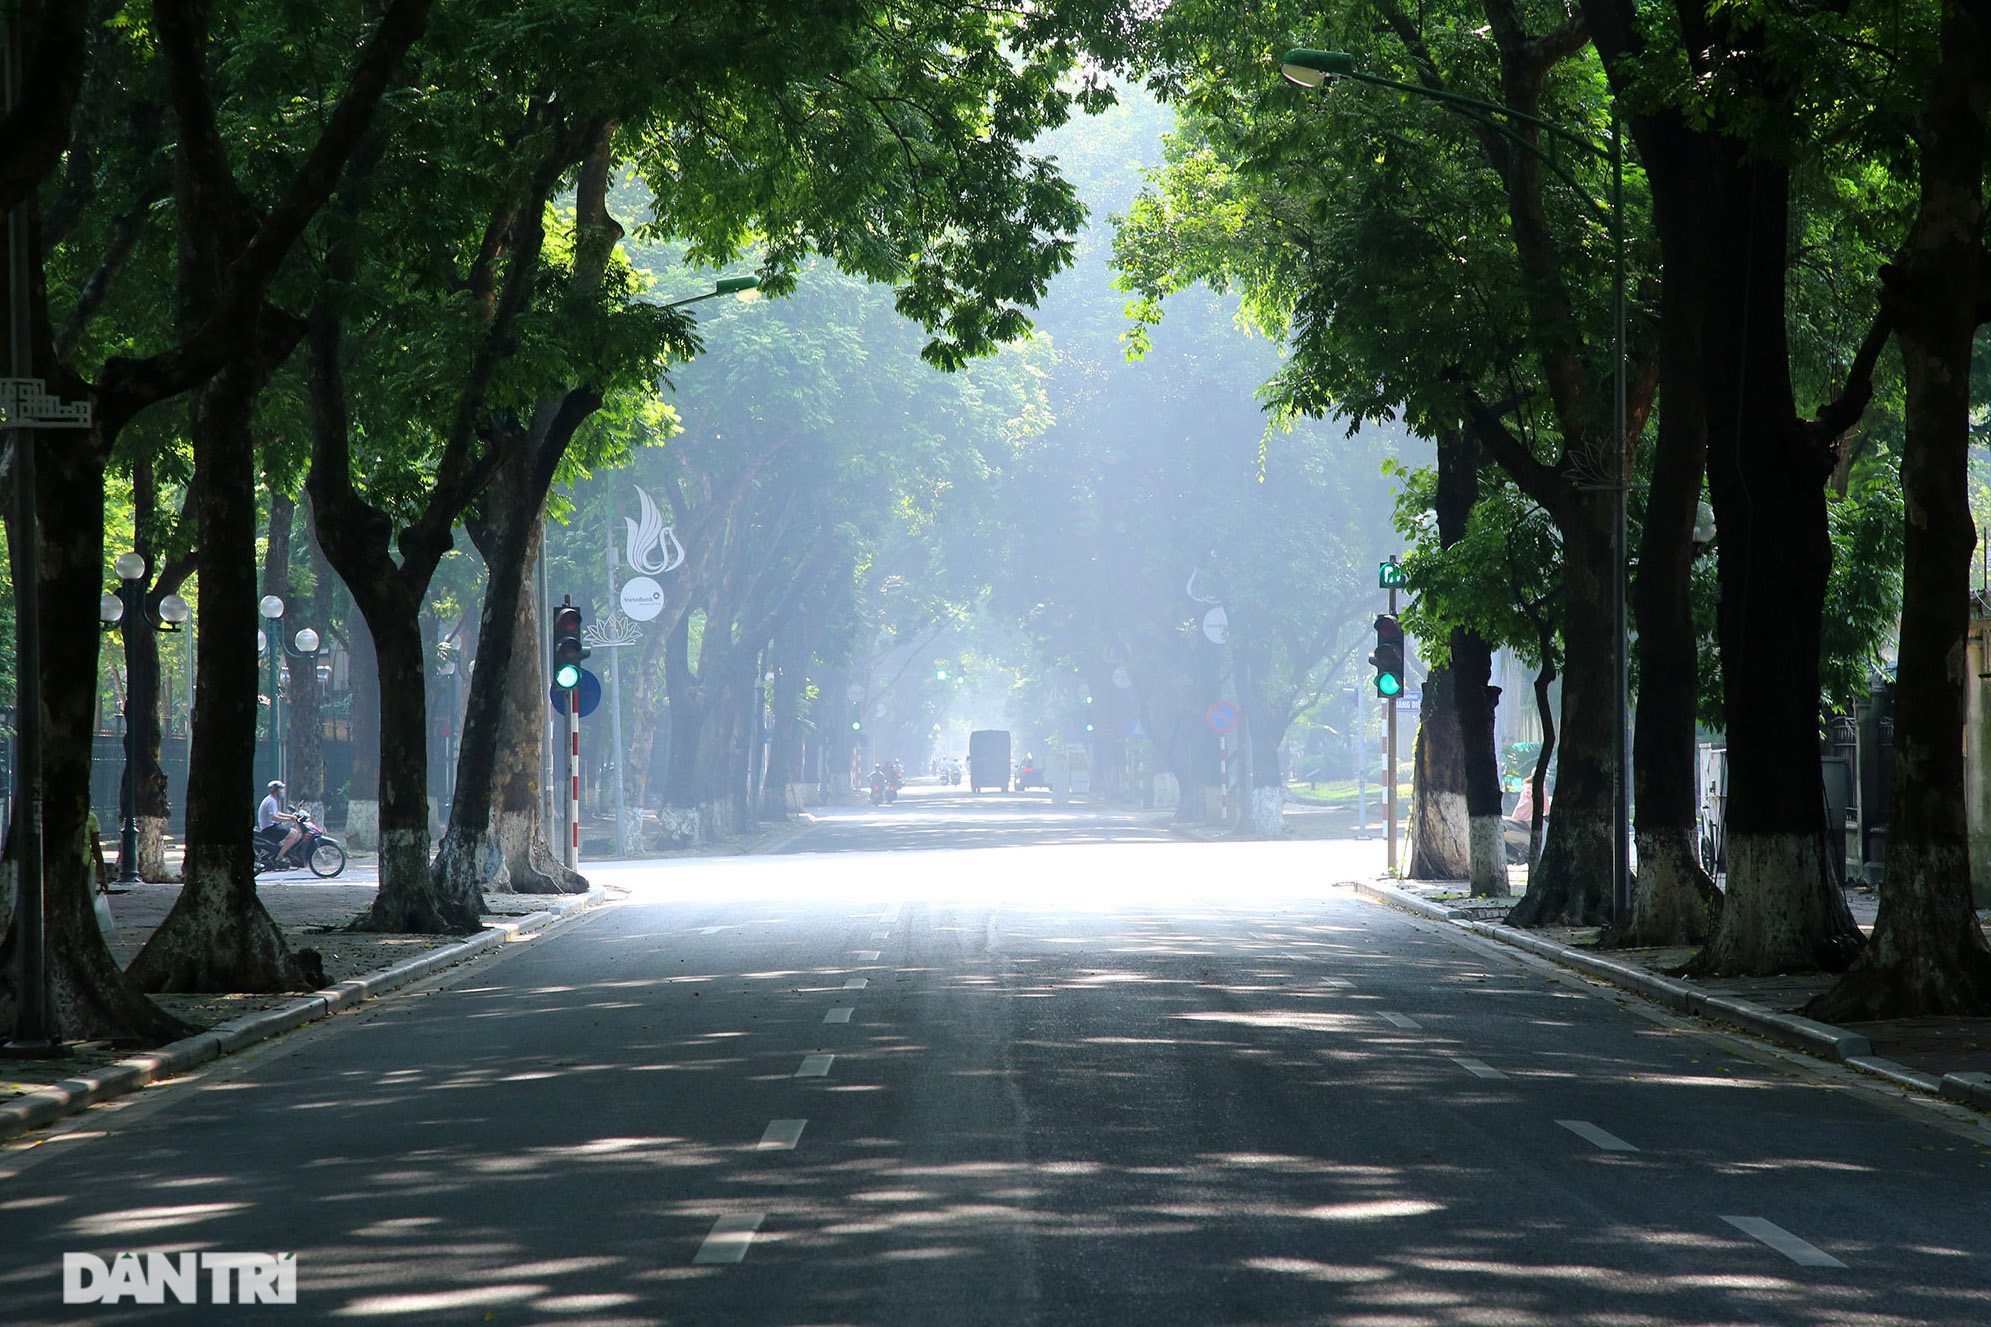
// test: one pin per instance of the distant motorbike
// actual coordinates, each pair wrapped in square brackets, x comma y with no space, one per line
[880,789]
[894,777]
[953,775]
[316,850]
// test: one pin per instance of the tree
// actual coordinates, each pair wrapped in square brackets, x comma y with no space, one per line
[1493,585]
[1718,145]
[1928,954]
[1348,226]
[91,997]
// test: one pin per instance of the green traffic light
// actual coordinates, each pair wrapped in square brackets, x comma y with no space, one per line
[567,676]
[1388,684]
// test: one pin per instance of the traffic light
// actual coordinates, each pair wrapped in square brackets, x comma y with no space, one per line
[567,648]
[1388,657]
[1088,714]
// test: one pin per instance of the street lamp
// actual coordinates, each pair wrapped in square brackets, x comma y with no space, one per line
[303,644]
[116,611]
[1314,69]
[746,287]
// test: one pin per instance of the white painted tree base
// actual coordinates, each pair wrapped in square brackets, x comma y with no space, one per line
[1268,812]
[1488,858]
[362,830]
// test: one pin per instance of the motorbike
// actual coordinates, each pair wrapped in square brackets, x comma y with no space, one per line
[321,853]
[894,777]
[880,788]
[954,775]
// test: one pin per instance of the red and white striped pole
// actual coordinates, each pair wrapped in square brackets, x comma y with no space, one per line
[574,779]
[1223,780]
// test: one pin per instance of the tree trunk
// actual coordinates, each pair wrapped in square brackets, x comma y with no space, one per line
[493,839]
[1538,779]
[1784,911]
[218,936]
[88,996]
[356,538]
[363,787]
[1466,698]
[1474,702]
[1675,902]
[1570,885]
[1928,956]
[142,684]
[1440,834]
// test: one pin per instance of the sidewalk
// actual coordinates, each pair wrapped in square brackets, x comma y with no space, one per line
[1947,1056]
[312,914]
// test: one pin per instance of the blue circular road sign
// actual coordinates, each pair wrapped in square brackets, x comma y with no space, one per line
[590,693]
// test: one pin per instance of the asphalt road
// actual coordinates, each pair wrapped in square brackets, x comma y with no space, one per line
[1075,1072]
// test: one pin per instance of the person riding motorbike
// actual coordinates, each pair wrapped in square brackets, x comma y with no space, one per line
[274,823]
[878,781]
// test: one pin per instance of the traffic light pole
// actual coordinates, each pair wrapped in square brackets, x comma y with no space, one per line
[1389,764]
[574,779]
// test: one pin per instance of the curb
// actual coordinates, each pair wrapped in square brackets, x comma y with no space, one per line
[137,1071]
[1809,1035]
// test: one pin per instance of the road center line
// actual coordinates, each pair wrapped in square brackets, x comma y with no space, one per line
[710,930]
[1590,1133]
[731,1234]
[867,955]
[840,1014]
[857,983]
[1477,1068]
[1402,1021]
[781,1136]
[1774,1235]
[815,1066]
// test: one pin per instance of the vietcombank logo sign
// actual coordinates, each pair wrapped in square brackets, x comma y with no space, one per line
[185,1278]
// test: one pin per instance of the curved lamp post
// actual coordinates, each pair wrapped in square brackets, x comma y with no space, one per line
[1310,69]
[115,612]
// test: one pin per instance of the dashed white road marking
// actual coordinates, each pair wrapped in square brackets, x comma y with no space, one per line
[815,1066]
[1590,1133]
[890,914]
[840,1014]
[781,1136]
[1403,1021]
[857,983]
[710,930]
[1774,1235]
[881,935]
[1477,1068]
[867,955]
[731,1234]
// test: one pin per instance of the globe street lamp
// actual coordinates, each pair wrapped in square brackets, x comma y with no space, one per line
[117,611]
[303,644]
[1315,69]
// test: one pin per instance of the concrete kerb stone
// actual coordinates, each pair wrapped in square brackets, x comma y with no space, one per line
[1807,1034]
[137,1071]
[1972,1089]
